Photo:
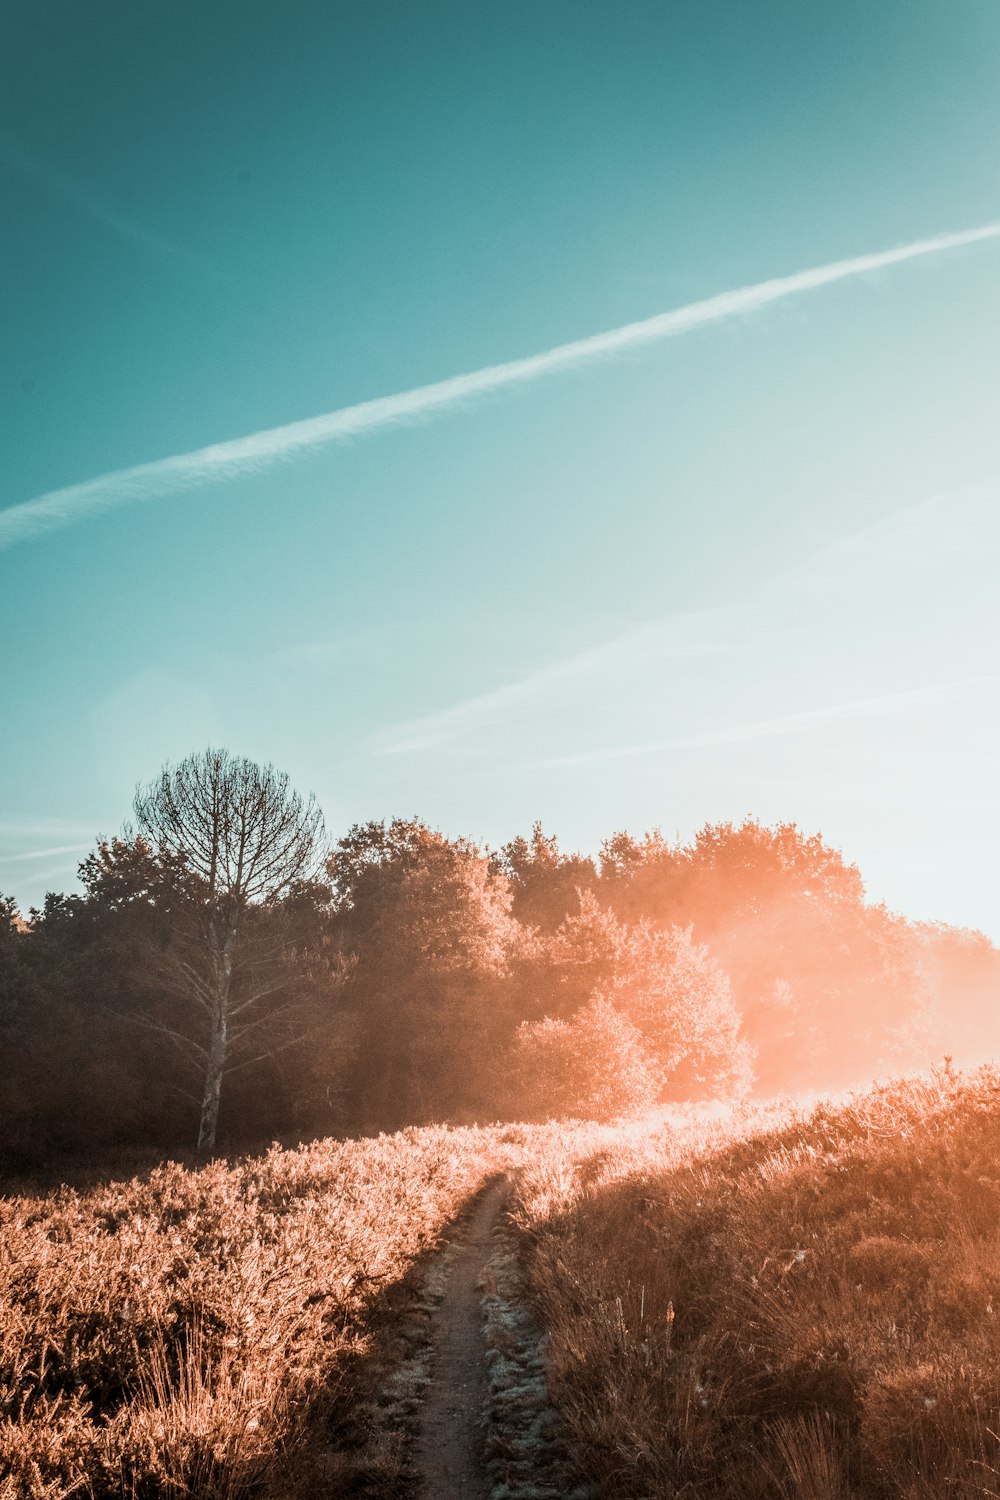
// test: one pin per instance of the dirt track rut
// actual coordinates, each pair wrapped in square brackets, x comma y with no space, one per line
[449,1448]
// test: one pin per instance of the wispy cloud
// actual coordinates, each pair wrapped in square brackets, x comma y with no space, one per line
[15,157]
[813,636]
[28,870]
[682,638]
[19,829]
[14,859]
[797,723]
[40,882]
[307,654]
[58,508]
[890,536]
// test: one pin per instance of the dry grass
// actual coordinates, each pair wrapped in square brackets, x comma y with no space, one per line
[790,1307]
[804,1312]
[220,1331]
[256,1328]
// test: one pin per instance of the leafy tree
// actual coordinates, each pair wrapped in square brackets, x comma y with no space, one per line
[830,989]
[554,974]
[429,925]
[961,969]
[828,986]
[678,998]
[637,1015]
[735,873]
[727,875]
[18,1009]
[545,884]
[642,878]
[72,1078]
[13,974]
[594,1066]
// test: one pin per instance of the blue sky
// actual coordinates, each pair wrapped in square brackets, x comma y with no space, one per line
[749,569]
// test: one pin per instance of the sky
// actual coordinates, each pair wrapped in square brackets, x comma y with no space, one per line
[739,560]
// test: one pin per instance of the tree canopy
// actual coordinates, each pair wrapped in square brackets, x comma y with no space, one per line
[223,970]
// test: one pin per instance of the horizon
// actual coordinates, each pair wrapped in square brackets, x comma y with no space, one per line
[581,416]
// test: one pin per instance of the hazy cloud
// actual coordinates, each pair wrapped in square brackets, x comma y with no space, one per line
[859,627]
[678,639]
[40,828]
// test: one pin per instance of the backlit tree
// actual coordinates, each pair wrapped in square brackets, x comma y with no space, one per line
[241,842]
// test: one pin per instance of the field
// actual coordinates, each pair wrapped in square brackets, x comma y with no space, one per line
[783,1306]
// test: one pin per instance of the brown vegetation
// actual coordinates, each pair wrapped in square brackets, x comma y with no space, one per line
[219,1331]
[771,1305]
[249,1328]
[805,1312]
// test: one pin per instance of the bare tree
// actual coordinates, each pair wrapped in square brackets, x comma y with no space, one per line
[245,841]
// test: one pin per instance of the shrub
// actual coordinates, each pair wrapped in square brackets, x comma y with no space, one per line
[678,998]
[594,1066]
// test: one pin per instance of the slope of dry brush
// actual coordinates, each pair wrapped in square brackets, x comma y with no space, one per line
[808,1313]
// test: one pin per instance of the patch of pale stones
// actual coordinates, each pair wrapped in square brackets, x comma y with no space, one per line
[526,1455]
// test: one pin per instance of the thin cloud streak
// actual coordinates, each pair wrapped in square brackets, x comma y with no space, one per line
[41,877]
[19,160]
[882,538]
[797,723]
[225,460]
[14,859]
[690,636]
[41,828]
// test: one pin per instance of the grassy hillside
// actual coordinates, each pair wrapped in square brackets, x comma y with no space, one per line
[809,1312]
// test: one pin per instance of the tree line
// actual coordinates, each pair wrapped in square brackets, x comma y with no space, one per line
[227,975]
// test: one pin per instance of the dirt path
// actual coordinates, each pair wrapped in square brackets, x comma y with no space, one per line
[449,1449]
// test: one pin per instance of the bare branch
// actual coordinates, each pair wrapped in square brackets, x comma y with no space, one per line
[244,838]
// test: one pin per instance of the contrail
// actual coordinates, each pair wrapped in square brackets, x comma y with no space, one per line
[224,460]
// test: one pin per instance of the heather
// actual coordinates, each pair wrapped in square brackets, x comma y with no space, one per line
[803,1311]
[776,1302]
[218,1331]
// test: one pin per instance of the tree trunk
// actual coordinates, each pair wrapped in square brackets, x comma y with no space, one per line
[218,1048]
[212,1096]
